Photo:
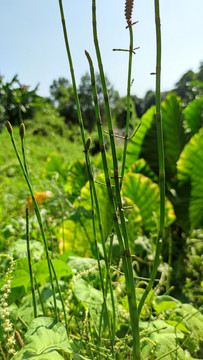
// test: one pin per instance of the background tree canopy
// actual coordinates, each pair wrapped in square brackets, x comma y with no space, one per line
[17,99]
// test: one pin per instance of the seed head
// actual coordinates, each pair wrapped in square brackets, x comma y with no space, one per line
[9,127]
[128,10]
[87,145]
[22,131]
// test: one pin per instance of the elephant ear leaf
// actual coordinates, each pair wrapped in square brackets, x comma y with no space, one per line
[190,170]
[146,196]
[174,136]
[194,115]
[144,144]
[135,145]
[76,179]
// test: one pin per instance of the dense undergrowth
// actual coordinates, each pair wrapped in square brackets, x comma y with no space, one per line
[70,286]
[61,188]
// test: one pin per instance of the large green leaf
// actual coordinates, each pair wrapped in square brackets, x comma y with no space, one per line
[174,137]
[88,268]
[55,164]
[192,319]
[93,299]
[44,338]
[105,210]
[145,194]
[163,303]
[135,145]
[144,144]
[190,170]
[77,178]
[165,338]
[140,166]
[19,249]
[41,270]
[194,115]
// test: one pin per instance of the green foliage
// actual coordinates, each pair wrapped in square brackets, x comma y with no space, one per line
[46,339]
[63,97]
[16,100]
[145,194]
[190,85]
[193,115]
[190,170]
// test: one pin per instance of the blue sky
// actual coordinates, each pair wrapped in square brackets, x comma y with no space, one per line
[31,41]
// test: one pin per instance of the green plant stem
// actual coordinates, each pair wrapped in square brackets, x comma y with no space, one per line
[40,297]
[161,157]
[98,256]
[61,297]
[128,104]
[87,159]
[106,172]
[30,264]
[38,219]
[130,285]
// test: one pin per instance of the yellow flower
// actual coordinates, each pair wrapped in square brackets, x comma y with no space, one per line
[40,196]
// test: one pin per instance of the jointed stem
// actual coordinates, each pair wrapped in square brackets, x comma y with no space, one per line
[125,251]
[128,104]
[161,157]
[30,265]
[88,163]
[37,215]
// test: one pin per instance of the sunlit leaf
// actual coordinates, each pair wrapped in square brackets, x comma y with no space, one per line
[194,115]
[190,170]
[145,194]
[44,338]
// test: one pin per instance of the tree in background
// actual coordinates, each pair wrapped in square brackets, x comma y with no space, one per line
[190,85]
[16,101]
[63,98]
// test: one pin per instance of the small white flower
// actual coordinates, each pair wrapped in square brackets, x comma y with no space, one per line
[11,341]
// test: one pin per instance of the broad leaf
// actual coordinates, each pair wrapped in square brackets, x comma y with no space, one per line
[41,271]
[93,299]
[192,319]
[135,145]
[145,194]
[194,115]
[55,164]
[164,302]
[174,137]
[165,338]
[44,338]
[19,249]
[88,268]
[190,170]
[145,145]
[77,178]
[140,166]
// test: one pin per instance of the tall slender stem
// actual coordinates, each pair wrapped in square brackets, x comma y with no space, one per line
[87,159]
[130,285]
[37,212]
[128,104]
[30,264]
[161,156]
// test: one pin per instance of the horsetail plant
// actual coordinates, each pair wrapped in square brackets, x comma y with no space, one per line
[87,158]
[134,318]
[30,264]
[37,212]
[39,219]
[161,157]
[128,14]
